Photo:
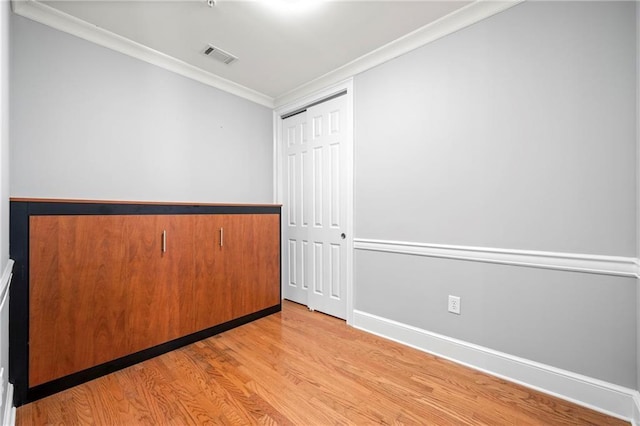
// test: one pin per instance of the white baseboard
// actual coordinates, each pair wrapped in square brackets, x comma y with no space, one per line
[607,398]
[9,414]
[635,418]
[6,394]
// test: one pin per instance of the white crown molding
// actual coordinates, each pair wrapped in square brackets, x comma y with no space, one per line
[468,15]
[461,18]
[594,264]
[54,18]
[596,394]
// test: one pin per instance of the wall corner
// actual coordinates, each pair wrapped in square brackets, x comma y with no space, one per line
[637,399]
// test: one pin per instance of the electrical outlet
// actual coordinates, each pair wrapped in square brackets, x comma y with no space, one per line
[454,304]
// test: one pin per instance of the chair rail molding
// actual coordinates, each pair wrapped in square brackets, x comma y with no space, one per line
[574,262]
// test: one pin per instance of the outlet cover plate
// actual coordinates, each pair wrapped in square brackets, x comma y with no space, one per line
[454,305]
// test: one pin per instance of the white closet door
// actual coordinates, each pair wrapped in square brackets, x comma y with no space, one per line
[295,277]
[315,207]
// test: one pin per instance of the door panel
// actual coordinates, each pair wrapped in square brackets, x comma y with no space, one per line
[211,287]
[251,247]
[328,142]
[237,266]
[160,282]
[296,212]
[64,337]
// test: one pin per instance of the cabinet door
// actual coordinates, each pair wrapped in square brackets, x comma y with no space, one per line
[77,294]
[211,288]
[159,256]
[237,266]
[252,246]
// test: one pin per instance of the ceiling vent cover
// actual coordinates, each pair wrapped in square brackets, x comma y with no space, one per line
[219,55]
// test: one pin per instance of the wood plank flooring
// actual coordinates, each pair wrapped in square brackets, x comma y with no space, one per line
[303,368]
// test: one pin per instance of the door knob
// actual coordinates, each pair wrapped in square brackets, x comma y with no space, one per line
[343,236]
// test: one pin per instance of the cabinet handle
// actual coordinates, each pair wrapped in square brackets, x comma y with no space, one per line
[164,241]
[221,237]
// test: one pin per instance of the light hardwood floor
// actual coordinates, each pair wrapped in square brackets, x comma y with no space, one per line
[303,368]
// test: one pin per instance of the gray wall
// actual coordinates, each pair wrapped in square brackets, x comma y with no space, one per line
[518,132]
[5,13]
[638,184]
[88,122]
[584,323]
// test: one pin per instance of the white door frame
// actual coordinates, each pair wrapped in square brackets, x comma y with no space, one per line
[278,184]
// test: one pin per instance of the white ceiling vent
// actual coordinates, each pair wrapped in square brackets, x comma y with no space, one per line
[219,55]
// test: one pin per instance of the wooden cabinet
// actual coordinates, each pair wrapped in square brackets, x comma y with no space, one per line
[102,287]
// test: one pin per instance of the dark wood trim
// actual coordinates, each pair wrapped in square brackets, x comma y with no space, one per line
[148,203]
[56,209]
[19,301]
[21,209]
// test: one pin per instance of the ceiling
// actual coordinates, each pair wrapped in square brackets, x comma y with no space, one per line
[281,45]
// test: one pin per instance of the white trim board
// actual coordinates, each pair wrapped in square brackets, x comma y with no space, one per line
[54,18]
[607,398]
[594,264]
[9,415]
[635,419]
[5,280]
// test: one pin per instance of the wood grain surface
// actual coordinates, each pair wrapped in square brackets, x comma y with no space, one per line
[102,287]
[302,368]
[212,284]
[159,284]
[252,263]
[76,262]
